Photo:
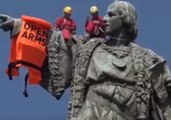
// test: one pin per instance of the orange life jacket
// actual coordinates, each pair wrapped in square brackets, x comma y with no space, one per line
[28,48]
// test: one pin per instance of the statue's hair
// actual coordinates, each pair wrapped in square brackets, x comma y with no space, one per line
[128,15]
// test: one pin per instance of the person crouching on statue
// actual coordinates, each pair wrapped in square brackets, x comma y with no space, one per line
[94,25]
[66,24]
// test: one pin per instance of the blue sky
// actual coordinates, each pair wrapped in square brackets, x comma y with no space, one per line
[154,20]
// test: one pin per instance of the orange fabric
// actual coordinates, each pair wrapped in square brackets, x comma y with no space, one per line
[34,76]
[30,46]
[32,40]
[14,71]
[13,50]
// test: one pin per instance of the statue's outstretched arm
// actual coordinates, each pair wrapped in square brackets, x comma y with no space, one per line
[11,24]
[57,68]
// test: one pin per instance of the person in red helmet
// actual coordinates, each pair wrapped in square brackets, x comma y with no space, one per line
[95,25]
[66,24]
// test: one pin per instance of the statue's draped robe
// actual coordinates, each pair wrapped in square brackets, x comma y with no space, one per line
[107,83]
[120,85]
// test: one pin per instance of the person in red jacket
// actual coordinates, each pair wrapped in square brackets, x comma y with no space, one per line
[66,24]
[95,25]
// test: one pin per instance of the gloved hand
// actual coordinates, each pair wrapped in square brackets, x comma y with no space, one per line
[6,22]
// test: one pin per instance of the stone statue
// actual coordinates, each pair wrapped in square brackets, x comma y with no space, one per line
[122,80]
[110,79]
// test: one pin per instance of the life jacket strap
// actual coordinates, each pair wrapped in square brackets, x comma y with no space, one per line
[14,65]
[25,93]
[10,67]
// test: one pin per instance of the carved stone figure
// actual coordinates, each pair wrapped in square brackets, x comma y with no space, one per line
[110,79]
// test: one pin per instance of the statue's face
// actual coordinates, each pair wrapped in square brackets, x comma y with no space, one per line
[113,20]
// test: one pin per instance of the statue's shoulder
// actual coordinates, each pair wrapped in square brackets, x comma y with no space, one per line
[149,57]
[84,52]
[88,46]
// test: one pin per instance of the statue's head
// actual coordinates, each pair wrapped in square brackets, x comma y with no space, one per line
[121,15]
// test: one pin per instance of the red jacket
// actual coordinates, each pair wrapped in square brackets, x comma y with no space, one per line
[66,23]
[95,27]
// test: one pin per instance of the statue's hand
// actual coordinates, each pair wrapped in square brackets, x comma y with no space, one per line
[6,22]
